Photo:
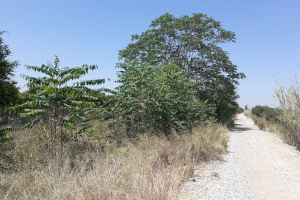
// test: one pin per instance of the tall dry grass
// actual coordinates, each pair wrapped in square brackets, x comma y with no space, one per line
[153,168]
[289,101]
[260,122]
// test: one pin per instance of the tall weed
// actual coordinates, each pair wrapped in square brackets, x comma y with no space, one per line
[289,101]
[152,168]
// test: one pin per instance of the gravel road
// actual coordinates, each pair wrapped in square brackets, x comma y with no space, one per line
[258,166]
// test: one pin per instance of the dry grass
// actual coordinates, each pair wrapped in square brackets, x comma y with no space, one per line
[262,123]
[151,169]
[265,125]
[288,124]
[289,101]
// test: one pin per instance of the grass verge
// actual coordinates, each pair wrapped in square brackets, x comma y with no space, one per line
[152,168]
[260,122]
[283,127]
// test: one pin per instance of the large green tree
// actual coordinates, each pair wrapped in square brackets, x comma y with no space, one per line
[192,43]
[8,89]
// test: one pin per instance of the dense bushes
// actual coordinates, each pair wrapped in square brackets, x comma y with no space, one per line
[158,99]
[240,110]
[264,116]
[266,112]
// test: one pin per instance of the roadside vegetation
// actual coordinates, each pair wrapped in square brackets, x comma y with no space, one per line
[265,117]
[289,105]
[283,120]
[67,137]
[152,168]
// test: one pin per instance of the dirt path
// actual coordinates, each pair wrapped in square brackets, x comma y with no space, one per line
[258,166]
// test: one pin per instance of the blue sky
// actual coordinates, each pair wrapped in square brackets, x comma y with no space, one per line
[267,49]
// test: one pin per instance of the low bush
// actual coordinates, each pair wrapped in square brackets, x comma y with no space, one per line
[240,110]
[266,112]
[151,168]
[158,100]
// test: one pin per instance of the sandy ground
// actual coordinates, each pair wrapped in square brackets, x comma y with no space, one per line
[258,166]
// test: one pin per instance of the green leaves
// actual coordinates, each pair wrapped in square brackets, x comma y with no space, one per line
[54,97]
[91,82]
[270,114]
[8,90]
[158,99]
[193,44]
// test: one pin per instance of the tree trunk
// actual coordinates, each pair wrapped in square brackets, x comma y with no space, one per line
[61,145]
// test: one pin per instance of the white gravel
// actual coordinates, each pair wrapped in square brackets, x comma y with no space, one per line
[258,166]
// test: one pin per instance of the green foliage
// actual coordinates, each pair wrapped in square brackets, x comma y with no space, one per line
[8,89]
[192,43]
[266,112]
[61,100]
[53,97]
[240,110]
[158,99]
[8,97]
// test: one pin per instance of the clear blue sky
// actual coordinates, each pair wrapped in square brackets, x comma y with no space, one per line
[92,32]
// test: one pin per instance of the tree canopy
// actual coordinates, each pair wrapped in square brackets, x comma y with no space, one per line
[8,89]
[62,100]
[193,44]
[59,97]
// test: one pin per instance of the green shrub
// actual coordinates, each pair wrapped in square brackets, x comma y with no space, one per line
[158,99]
[240,110]
[266,112]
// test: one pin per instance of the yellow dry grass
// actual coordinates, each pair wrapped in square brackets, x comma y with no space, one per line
[151,169]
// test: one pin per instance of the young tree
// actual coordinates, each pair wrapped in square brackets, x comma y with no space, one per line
[8,89]
[192,43]
[158,99]
[60,99]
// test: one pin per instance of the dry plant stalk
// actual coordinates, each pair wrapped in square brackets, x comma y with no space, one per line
[151,169]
